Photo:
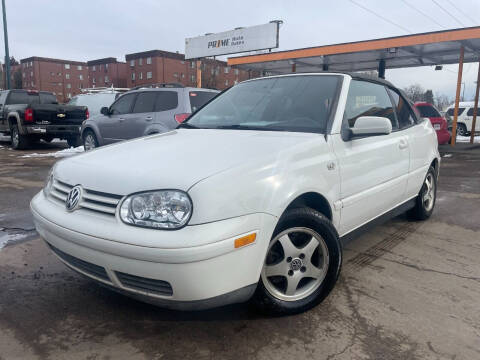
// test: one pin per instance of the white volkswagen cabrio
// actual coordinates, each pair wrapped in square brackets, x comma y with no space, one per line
[250,198]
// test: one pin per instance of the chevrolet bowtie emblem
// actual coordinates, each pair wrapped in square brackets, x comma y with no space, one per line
[61,115]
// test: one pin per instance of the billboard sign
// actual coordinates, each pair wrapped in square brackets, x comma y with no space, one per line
[240,40]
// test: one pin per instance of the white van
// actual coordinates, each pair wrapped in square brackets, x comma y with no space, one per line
[465,117]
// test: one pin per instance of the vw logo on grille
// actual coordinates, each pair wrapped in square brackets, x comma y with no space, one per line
[73,198]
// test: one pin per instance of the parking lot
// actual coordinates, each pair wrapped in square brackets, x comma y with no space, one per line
[407,290]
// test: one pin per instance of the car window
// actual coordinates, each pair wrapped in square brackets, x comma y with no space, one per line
[404,113]
[122,105]
[292,103]
[46,98]
[451,110]
[145,102]
[200,98]
[94,102]
[166,100]
[23,97]
[368,99]
[427,111]
[470,111]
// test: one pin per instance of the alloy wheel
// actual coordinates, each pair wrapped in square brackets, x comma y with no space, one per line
[89,142]
[15,137]
[428,195]
[296,264]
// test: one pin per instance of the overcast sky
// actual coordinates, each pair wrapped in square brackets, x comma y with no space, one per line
[90,29]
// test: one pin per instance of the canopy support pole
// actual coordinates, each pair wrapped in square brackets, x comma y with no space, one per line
[381,69]
[199,73]
[457,96]
[475,107]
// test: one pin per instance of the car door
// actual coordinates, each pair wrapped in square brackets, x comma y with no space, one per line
[166,107]
[373,169]
[142,116]
[110,126]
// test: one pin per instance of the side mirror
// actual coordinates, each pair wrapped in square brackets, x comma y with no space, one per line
[371,126]
[105,110]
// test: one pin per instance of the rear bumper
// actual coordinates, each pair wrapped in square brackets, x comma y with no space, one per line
[443,136]
[57,130]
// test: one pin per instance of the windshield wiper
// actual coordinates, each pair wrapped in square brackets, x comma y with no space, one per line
[241,127]
[186,125]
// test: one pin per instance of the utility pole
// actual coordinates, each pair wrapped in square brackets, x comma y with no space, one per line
[7,55]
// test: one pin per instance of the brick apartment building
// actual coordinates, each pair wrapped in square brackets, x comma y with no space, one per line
[107,72]
[63,78]
[158,66]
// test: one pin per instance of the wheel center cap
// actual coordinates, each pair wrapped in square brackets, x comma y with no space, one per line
[296,264]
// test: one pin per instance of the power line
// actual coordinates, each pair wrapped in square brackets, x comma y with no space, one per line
[380,16]
[424,14]
[448,13]
[463,13]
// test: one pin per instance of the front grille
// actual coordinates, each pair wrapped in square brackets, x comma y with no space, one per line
[86,267]
[158,287]
[91,199]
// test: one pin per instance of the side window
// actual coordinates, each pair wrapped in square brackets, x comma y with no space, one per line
[145,102]
[470,111]
[166,100]
[404,113]
[368,99]
[122,105]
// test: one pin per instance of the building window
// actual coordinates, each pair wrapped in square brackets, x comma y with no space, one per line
[212,71]
[31,63]
[236,71]
[54,93]
[94,68]
[69,86]
[133,76]
[192,78]
[226,70]
[235,82]
[140,76]
[192,64]
[175,75]
[31,73]
[52,74]
[69,95]
[106,66]
[183,76]
[149,74]
[106,79]
[67,76]
[100,68]
[183,62]
[93,80]
[23,75]
[140,61]
[132,64]
[79,67]
[80,77]
[149,60]
[217,71]
[226,82]
[59,74]
[67,66]
[31,83]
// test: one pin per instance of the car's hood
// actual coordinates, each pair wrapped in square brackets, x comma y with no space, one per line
[174,160]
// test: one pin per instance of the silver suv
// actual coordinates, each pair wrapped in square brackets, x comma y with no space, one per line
[144,111]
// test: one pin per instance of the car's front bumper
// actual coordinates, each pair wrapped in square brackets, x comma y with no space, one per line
[203,276]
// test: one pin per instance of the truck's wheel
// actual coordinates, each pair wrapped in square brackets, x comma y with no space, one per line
[302,264]
[90,141]
[18,141]
[74,141]
[425,201]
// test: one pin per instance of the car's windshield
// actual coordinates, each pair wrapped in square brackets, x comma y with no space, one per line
[300,103]
[94,102]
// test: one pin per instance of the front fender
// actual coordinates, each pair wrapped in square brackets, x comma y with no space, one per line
[91,125]
[267,184]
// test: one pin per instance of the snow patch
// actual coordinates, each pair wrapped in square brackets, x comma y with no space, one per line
[466,139]
[6,238]
[447,155]
[62,153]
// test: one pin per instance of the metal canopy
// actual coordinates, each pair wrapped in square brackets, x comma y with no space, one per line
[434,48]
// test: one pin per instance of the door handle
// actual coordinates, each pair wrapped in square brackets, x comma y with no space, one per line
[403,144]
[149,118]
[121,119]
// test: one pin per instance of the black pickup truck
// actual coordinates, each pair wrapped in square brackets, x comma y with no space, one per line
[29,116]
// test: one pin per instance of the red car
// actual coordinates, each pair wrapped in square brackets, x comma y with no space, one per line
[439,123]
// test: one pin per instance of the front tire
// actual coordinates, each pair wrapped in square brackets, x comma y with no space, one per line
[302,264]
[425,201]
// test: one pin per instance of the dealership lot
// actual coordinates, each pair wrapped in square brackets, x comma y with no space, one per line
[407,290]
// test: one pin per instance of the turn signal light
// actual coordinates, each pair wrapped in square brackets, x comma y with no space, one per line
[245,240]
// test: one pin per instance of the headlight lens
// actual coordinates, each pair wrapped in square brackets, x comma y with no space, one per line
[48,183]
[166,209]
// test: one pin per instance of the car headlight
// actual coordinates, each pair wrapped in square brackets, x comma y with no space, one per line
[163,209]
[49,182]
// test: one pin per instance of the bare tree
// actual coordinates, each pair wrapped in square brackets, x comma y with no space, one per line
[442,101]
[415,92]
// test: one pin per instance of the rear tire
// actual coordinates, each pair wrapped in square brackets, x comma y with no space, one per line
[462,130]
[425,201]
[19,141]
[302,264]
[90,141]
[74,141]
